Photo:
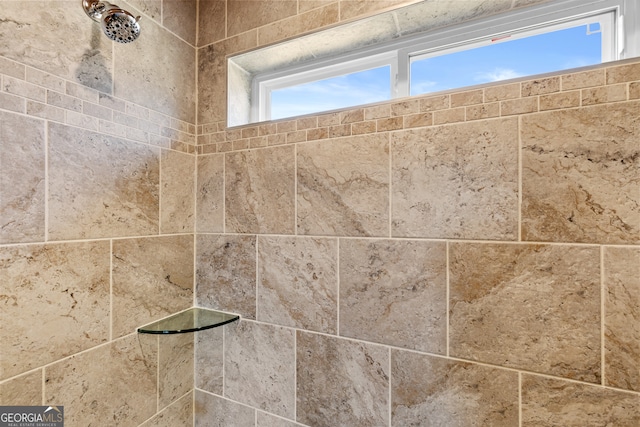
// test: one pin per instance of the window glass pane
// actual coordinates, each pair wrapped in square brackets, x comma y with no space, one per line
[362,87]
[506,59]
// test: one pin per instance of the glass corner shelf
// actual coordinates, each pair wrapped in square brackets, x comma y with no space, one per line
[192,320]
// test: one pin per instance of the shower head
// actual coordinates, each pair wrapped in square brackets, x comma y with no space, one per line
[118,24]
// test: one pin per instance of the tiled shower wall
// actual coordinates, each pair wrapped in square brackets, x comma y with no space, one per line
[97,172]
[469,258]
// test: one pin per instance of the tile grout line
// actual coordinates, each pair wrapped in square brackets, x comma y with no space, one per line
[389,386]
[519,399]
[46,181]
[602,317]
[448,296]
[520,184]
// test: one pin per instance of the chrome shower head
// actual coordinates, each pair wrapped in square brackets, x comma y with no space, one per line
[118,24]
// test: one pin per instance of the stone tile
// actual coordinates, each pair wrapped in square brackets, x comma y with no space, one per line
[451,115]
[560,100]
[177,208]
[175,367]
[623,73]
[244,15]
[210,410]
[25,390]
[45,111]
[634,90]
[551,296]
[519,106]
[583,79]
[458,181]
[181,17]
[115,382]
[260,191]
[551,402]
[179,414]
[343,187]
[226,273]
[259,367]
[483,111]
[22,179]
[152,278]
[209,368]
[502,92]
[22,88]
[341,382]
[267,420]
[212,18]
[353,8]
[541,86]
[64,289]
[298,282]
[427,390]
[579,183]
[471,97]
[11,68]
[298,24]
[604,94]
[13,103]
[38,40]
[622,317]
[394,292]
[170,88]
[100,186]
[151,8]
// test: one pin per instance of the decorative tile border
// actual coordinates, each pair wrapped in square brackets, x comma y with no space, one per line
[30,91]
[588,86]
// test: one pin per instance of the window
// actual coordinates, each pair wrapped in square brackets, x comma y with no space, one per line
[554,36]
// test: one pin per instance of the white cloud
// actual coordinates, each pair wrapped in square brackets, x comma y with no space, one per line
[497,74]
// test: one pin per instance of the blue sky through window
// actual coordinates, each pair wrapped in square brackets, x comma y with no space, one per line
[543,53]
[506,59]
[363,87]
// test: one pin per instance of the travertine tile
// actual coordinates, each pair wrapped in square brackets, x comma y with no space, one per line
[210,194]
[458,181]
[152,278]
[519,106]
[353,8]
[298,282]
[175,367]
[451,115]
[115,382]
[226,273]
[540,86]
[560,100]
[170,88]
[55,302]
[634,90]
[177,178]
[623,73]
[462,99]
[433,103]
[604,94]
[179,414]
[583,79]
[243,15]
[212,19]
[341,382]
[209,368]
[298,24]
[100,186]
[579,183]
[180,17]
[151,8]
[427,390]
[622,317]
[25,390]
[267,420]
[22,179]
[533,307]
[483,111]
[260,191]
[550,402]
[38,39]
[210,410]
[259,368]
[502,92]
[394,292]
[343,187]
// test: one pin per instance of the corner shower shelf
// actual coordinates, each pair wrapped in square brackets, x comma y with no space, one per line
[192,320]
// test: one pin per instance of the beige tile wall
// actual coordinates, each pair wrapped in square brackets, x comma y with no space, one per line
[466,258]
[97,187]
[469,257]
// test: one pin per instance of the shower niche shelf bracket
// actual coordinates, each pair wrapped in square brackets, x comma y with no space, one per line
[191,320]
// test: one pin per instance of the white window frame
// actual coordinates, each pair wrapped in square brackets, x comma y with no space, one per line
[547,17]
